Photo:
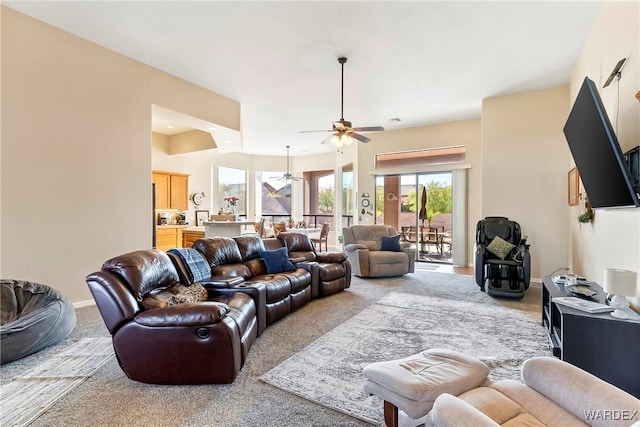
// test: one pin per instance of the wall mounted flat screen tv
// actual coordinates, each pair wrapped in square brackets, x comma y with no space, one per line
[596,152]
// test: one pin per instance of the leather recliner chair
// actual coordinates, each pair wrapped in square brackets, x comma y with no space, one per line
[202,342]
[502,269]
[334,269]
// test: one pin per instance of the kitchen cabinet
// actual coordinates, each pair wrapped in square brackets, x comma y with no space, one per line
[171,190]
[190,236]
[168,237]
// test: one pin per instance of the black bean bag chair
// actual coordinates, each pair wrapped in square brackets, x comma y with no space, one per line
[32,317]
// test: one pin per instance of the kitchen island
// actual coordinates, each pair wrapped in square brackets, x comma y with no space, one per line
[226,228]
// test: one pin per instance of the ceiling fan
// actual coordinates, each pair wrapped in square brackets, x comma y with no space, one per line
[345,134]
[287,177]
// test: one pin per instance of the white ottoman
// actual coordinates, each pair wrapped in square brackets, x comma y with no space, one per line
[412,384]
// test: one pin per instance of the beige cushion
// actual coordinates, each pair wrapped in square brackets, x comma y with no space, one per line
[500,247]
[426,375]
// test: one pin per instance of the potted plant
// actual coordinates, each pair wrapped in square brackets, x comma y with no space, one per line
[588,214]
[291,222]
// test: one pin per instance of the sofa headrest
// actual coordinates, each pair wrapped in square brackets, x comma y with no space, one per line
[218,250]
[296,242]
[370,232]
[143,271]
[250,246]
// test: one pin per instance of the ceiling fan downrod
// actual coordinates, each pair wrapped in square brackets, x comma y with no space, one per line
[342,61]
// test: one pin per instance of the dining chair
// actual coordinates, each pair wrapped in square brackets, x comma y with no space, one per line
[279,227]
[324,237]
[259,227]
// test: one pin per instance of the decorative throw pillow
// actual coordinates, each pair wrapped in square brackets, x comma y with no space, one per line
[194,293]
[175,295]
[158,299]
[500,247]
[390,243]
[277,261]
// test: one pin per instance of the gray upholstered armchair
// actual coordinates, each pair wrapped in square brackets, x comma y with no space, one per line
[375,251]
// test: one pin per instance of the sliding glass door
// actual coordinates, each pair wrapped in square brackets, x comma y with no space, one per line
[425,215]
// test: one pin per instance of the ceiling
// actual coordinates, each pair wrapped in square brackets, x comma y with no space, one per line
[419,62]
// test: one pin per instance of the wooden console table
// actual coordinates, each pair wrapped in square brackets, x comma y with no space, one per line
[607,347]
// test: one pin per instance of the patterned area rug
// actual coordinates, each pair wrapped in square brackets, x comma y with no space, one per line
[329,371]
[29,395]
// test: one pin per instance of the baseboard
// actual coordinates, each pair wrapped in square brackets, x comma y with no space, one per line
[85,303]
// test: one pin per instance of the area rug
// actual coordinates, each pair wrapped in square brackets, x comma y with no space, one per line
[30,394]
[329,371]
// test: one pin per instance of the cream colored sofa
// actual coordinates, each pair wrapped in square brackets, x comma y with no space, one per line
[554,393]
[445,388]
[362,246]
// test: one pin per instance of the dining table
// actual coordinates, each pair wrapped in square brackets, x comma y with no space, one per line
[305,230]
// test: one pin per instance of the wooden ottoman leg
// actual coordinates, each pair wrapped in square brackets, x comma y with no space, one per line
[390,414]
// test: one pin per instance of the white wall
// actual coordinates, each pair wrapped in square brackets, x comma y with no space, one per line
[524,170]
[613,239]
[76,151]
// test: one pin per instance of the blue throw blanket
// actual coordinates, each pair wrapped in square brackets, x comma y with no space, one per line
[197,266]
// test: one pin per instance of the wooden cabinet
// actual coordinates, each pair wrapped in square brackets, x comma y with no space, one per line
[608,348]
[171,190]
[168,238]
[190,236]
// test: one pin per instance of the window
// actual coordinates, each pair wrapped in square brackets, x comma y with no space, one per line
[347,191]
[232,183]
[325,194]
[275,194]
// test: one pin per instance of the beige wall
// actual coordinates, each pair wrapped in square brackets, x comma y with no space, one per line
[76,151]
[524,170]
[612,240]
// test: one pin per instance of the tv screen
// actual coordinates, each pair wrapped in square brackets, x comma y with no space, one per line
[595,149]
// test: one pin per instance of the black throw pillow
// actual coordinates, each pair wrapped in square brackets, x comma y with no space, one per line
[390,243]
[277,261]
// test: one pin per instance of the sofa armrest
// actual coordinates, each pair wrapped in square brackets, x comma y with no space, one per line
[351,247]
[187,314]
[479,269]
[411,253]
[448,411]
[331,257]
[256,290]
[576,390]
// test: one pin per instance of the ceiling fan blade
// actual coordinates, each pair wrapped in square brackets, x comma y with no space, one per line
[327,140]
[309,131]
[369,129]
[360,138]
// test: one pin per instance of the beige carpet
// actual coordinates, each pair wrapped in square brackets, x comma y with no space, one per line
[109,399]
[32,393]
[329,371]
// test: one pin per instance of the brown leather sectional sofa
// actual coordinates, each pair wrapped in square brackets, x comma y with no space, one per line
[206,341]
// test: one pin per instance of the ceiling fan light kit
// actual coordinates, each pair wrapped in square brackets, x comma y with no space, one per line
[345,134]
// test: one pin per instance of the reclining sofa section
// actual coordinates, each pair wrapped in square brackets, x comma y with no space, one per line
[215,333]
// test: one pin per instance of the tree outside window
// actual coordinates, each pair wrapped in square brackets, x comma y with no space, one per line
[325,194]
